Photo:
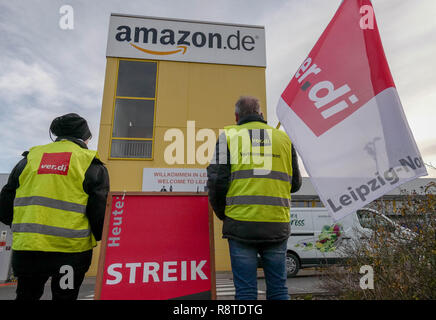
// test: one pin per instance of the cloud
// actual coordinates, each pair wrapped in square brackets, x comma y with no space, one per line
[21,79]
[429,149]
[291,32]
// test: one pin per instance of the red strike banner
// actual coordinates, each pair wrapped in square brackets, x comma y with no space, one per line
[156,247]
[342,111]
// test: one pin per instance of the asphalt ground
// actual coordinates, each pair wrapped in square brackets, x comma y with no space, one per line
[306,283]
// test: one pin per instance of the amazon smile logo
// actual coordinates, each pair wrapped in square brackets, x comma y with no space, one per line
[181,40]
[161,53]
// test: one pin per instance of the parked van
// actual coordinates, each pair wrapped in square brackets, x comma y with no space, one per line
[317,239]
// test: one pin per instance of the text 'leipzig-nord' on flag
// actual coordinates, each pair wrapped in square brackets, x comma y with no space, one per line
[343,113]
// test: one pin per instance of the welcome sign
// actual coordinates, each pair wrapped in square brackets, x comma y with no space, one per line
[182,40]
[174,180]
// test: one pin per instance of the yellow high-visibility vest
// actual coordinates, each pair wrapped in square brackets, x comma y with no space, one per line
[261,173]
[50,203]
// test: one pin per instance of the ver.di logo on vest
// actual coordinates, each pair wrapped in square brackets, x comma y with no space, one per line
[180,40]
[55,163]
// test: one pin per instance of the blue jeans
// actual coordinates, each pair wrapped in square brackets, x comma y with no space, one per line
[243,257]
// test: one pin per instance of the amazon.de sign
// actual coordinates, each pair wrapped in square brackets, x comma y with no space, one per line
[181,40]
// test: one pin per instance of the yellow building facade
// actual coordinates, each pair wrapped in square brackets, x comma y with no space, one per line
[155,87]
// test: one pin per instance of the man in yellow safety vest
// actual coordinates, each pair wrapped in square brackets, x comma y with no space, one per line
[55,202]
[250,180]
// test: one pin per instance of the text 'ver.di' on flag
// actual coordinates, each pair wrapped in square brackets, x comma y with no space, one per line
[343,113]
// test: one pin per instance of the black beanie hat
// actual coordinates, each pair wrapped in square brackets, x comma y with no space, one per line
[70,125]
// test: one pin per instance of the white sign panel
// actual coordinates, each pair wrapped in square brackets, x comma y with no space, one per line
[180,40]
[5,252]
[174,180]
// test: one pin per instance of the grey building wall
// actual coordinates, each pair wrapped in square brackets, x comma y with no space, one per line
[3,179]
[307,196]
[5,234]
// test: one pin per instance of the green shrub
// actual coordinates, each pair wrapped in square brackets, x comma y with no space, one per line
[403,263]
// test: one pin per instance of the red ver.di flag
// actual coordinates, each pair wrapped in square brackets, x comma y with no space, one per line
[343,113]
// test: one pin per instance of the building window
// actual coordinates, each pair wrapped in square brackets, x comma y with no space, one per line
[298,204]
[318,204]
[134,110]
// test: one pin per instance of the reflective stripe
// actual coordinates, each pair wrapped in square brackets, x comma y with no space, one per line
[259,200]
[50,231]
[50,203]
[248,174]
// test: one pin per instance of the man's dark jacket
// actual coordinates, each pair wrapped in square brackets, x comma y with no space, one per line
[218,183]
[96,185]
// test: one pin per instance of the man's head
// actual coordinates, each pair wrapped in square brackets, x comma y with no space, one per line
[246,106]
[71,125]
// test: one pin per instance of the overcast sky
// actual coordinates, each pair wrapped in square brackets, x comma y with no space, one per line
[46,71]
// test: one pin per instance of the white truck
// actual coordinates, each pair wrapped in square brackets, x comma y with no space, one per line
[317,239]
